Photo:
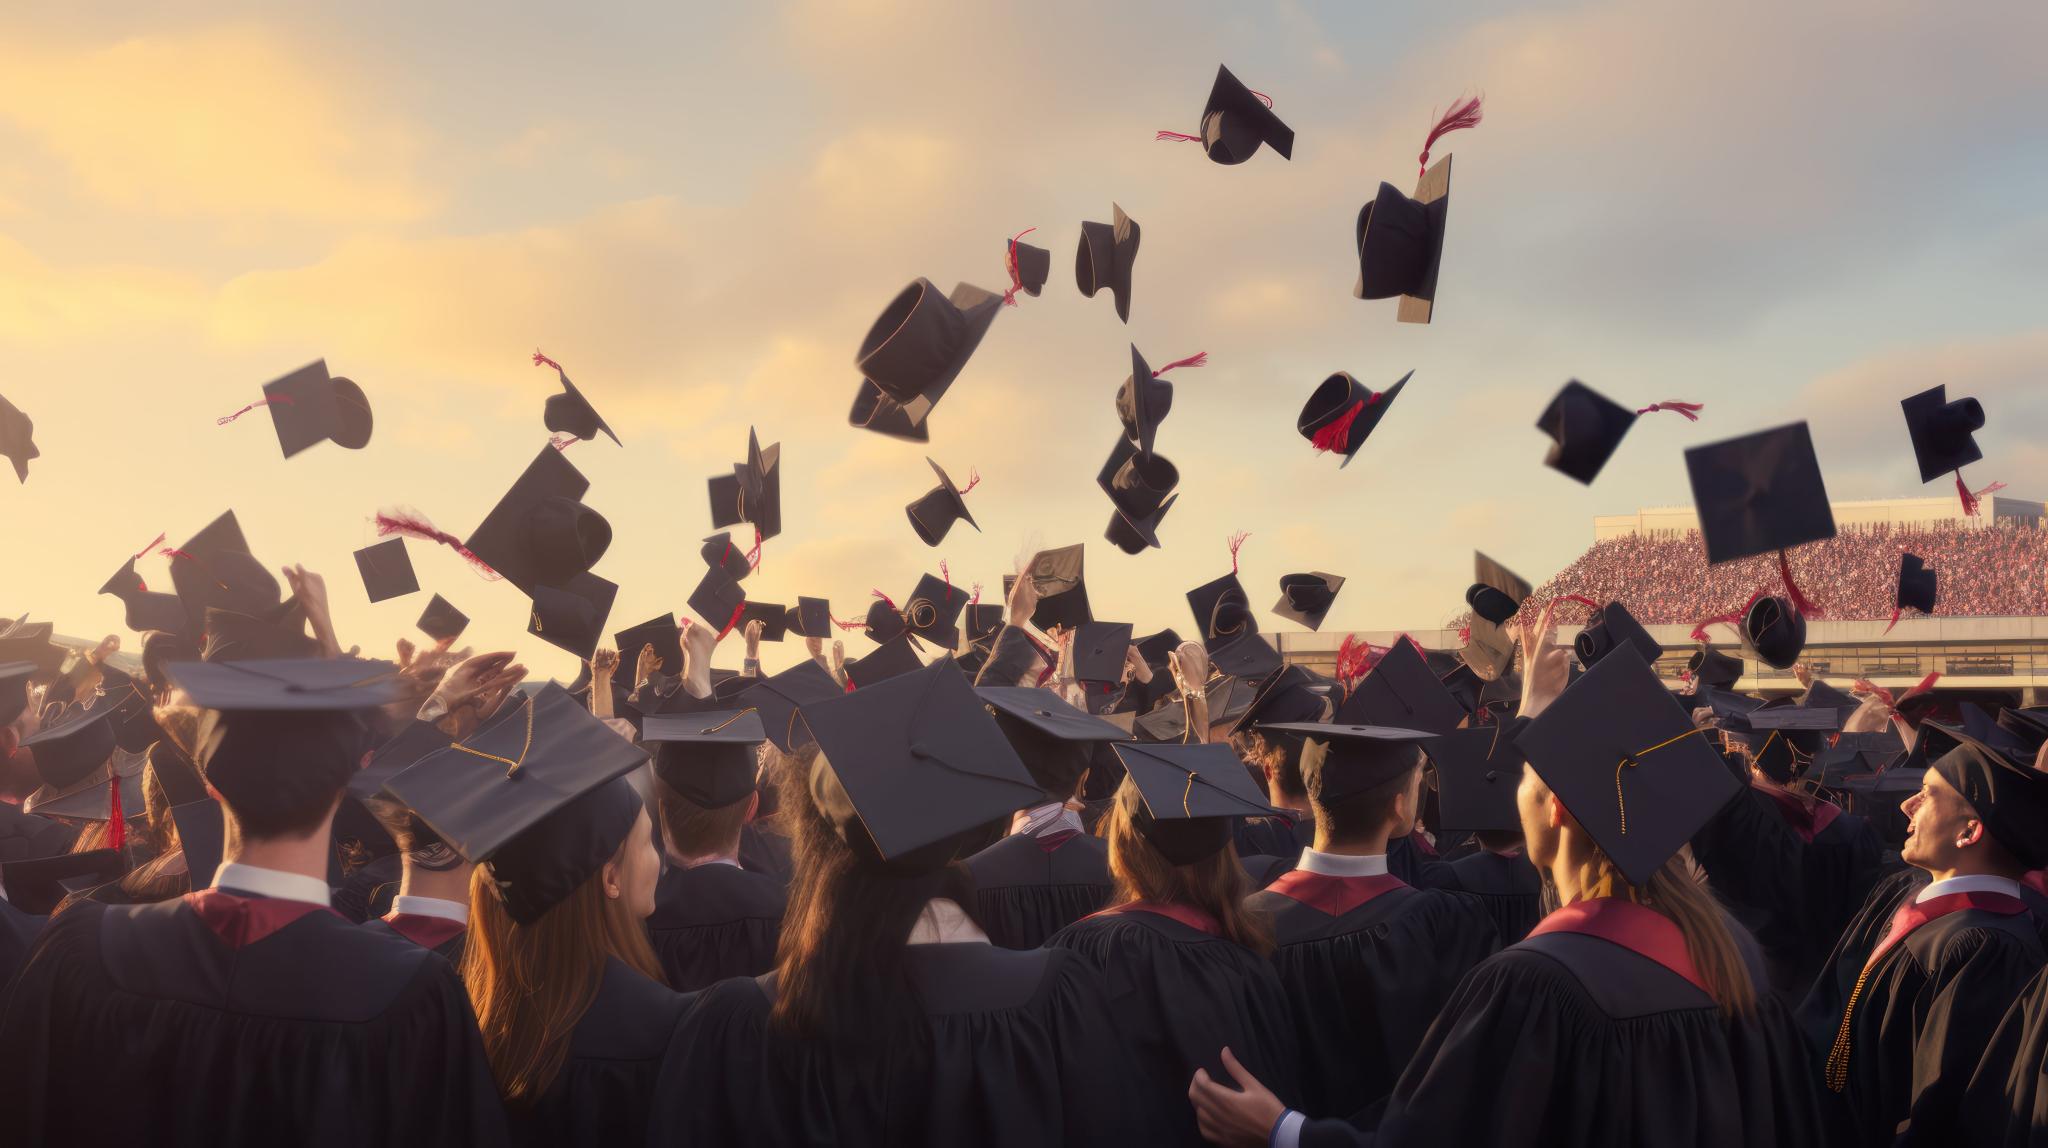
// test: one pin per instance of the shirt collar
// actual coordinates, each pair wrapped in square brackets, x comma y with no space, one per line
[408,906]
[1979,883]
[273,883]
[1040,820]
[1343,864]
[944,922]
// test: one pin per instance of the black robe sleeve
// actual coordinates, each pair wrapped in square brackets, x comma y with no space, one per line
[1754,862]
[1014,657]
[2006,1103]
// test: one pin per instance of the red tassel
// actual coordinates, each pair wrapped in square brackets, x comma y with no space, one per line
[540,360]
[1337,435]
[1970,498]
[1463,114]
[732,621]
[1175,137]
[973,480]
[1673,405]
[754,555]
[1263,97]
[1199,358]
[1926,683]
[117,826]
[947,574]
[883,597]
[140,585]
[1895,619]
[856,624]
[174,552]
[1016,276]
[1236,543]
[562,441]
[1582,600]
[976,599]
[849,685]
[287,401]
[1877,691]
[1807,607]
[413,524]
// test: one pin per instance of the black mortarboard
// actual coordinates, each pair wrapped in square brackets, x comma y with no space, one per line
[403,751]
[773,616]
[721,554]
[441,621]
[1943,432]
[1137,484]
[215,568]
[1585,427]
[1342,412]
[884,622]
[761,487]
[1062,587]
[1781,753]
[779,697]
[1154,647]
[1142,403]
[202,834]
[915,350]
[76,743]
[1774,631]
[1628,763]
[1495,596]
[933,513]
[983,622]
[1401,243]
[1054,739]
[1758,493]
[1029,265]
[1133,535]
[1710,667]
[90,799]
[710,758]
[716,599]
[543,801]
[387,570]
[1402,693]
[146,609]
[1222,610]
[1248,657]
[1307,598]
[2008,794]
[812,618]
[1342,761]
[1236,120]
[1105,257]
[1285,696]
[17,438]
[1192,795]
[914,761]
[2029,725]
[1464,684]
[36,886]
[1821,695]
[287,685]
[1099,650]
[134,716]
[1727,706]
[1477,771]
[14,678]
[1612,627]
[541,533]
[892,658]
[568,412]
[933,609]
[308,407]
[24,641]
[277,632]
[572,616]
[661,633]
[1917,585]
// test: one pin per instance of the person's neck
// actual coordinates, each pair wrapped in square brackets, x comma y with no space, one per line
[1294,804]
[1968,866]
[305,856]
[1372,845]
[1566,866]
[440,884]
[731,852]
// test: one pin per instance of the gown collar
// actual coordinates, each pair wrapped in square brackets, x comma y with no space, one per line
[1642,931]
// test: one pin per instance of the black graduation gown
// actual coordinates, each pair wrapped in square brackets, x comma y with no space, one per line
[437,934]
[767,852]
[18,931]
[1015,1049]
[1567,1039]
[142,1025]
[1180,994]
[1367,962]
[1509,887]
[714,922]
[606,1087]
[1025,892]
[1411,862]
[1927,1007]
[1272,836]
[25,837]
[2006,1103]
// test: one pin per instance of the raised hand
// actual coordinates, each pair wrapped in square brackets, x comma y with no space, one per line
[1546,666]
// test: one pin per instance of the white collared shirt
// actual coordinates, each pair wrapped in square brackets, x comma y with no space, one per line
[944,922]
[273,883]
[699,862]
[1343,864]
[408,906]
[1040,820]
[1980,883]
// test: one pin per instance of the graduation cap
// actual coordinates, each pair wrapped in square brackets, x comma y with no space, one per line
[2029,725]
[1307,598]
[752,492]
[17,438]
[1342,412]
[542,801]
[441,621]
[983,622]
[710,758]
[14,678]
[1401,243]
[1154,647]
[2007,793]
[1612,627]
[308,407]
[1099,650]
[1758,493]
[36,886]
[90,798]
[915,350]
[1192,795]
[1774,631]
[1054,739]
[932,515]
[1343,761]
[202,834]
[812,617]
[1236,121]
[287,685]
[1477,772]
[1286,696]
[1402,693]
[1144,400]
[773,616]
[1943,432]
[875,411]
[884,622]
[387,570]
[404,750]
[24,641]
[1029,266]
[77,742]
[1585,427]
[1821,695]
[660,632]
[1222,610]
[1628,763]
[1247,657]
[572,616]
[720,554]
[1709,667]
[1137,483]
[278,632]
[569,412]
[146,609]
[1135,534]
[780,696]
[1495,597]
[933,611]
[1917,585]
[540,532]
[892,658]
[911,762]
[214,568]
[1105,257]
[717,599]
[134,716]
[1062,587]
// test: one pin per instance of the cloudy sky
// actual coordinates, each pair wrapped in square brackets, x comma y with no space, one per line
[1783,211]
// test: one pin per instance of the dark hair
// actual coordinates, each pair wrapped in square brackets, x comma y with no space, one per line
[281,774]
[694,830]
[1277,758]
[1363,813]
[841,974]
[1216,885]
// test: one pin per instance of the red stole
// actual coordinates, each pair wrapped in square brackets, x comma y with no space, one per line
[1914,914]
[1048,842]
[240,921]
[1806,822]
[1187,915]
[1644,932]
[1333,895]
[422,930]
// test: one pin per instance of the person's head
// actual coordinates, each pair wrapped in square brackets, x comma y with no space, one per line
[531,981]
[693,830]
[1945,834]
[1379,812]
[1276,758]
[277,774]
[1212,881]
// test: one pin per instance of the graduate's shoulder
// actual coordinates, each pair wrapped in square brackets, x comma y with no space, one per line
[716,895]
[1975,933]
[1585,976]
[633,1017]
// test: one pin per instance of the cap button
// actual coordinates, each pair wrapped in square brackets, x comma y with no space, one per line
[1492,775]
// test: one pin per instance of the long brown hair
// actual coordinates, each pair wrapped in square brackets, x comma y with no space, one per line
[1216,885]
[531,984]
[1674,893]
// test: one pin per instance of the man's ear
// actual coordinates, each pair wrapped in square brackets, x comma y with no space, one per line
[1555,809]
[1972,833]
[753,806]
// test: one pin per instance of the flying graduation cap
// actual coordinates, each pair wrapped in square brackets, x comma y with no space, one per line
[1918,588]
[1944,436]
[572,616]
[1495,597]
[1342,412]
[1612,627]
[1305,599]
[215,569]
[933,514]
[1105,257]
[1400,238]
[146,609]
[308,407]
[387,570]
[1140,487]
[914,351]
[441,621]
[1144,400]
[1062,587]
[540,532]
[1236,122]
[1759,492]
[569,412]
[1029,267]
